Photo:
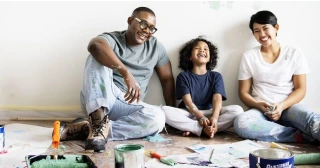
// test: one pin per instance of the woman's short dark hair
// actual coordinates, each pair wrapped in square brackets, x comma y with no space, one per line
[185,54]
[263,17]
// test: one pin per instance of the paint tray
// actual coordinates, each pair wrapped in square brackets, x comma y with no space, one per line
[62,161]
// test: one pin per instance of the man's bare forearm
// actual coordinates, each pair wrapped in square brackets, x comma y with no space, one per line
[169,93]
[103,53]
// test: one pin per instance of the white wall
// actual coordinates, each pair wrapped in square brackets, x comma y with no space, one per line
[43,44]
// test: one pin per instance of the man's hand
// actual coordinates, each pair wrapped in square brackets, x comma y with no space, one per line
[133,92]
[276,114]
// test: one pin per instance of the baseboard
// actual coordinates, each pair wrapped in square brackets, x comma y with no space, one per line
[40,112]
[41,108]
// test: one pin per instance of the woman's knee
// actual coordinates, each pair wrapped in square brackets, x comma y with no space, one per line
[243,121]
[238,121]
[315,125]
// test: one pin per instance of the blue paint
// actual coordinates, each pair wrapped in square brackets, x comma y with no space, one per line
[201,149]
[156,138]
[19,131]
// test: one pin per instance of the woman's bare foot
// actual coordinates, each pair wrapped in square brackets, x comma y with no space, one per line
[208,130]
[185,133]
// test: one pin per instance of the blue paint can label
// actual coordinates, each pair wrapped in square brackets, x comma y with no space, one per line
[2,138]
[271,158]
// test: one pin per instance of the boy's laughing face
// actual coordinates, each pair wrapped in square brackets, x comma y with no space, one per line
[200,53]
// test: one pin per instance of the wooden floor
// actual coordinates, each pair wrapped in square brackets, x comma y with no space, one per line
[177,145]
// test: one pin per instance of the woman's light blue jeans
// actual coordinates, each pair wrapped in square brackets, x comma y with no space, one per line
[127,121]
[296,124]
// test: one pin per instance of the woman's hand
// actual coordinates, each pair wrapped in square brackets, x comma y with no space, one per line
[263,106]
[276,114]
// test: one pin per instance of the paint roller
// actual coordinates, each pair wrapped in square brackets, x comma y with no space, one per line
[57,161]
[307,159]
[56,137]
[63,161]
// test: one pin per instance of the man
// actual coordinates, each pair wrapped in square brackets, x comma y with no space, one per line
[116,76]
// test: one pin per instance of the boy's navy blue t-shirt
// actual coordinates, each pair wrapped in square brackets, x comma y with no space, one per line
[200,87]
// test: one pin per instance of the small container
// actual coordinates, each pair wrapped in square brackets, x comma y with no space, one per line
[2,138]
[269,158]
[129,156]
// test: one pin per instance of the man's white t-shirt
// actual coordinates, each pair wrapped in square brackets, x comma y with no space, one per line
[272,83]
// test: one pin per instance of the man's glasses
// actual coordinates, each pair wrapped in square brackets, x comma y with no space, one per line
[144,25]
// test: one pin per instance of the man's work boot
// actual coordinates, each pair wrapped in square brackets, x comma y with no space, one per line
[78,129]
[99,131]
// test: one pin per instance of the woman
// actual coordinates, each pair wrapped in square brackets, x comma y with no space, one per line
[272,81]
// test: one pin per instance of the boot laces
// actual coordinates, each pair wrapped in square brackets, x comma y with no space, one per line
[99,128]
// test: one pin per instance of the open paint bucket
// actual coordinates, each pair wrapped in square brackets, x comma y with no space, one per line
[129,156]
[270,158]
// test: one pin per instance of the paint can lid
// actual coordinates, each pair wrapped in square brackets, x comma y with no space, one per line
[272,153]
[128,147]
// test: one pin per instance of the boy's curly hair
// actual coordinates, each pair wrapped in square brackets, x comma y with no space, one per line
[185,54]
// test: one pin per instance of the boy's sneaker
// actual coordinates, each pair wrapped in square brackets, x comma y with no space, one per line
[99,131]
[78,129]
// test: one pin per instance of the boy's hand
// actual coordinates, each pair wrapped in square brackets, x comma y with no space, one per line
[204,121]
[214,125]
[210,130]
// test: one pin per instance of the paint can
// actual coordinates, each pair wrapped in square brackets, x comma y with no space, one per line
[271,158]
[2,138]
[129,156]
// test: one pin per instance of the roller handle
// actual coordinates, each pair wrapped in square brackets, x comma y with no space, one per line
[56,135]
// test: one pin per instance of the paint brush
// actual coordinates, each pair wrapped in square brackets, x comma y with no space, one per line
[211,156]
[275,145]
[56,137]
[170,162]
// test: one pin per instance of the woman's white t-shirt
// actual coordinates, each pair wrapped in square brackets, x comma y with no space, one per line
[272,83]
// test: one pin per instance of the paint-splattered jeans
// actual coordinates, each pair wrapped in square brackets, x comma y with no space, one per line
[127,121]
[296,124]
